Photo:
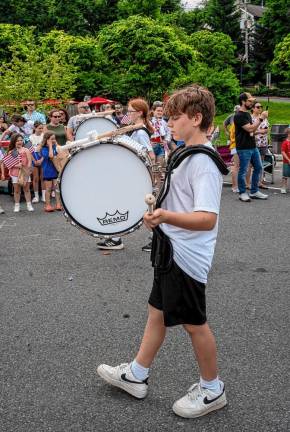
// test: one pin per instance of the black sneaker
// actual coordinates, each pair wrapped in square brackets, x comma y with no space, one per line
[111,244]
[147,248]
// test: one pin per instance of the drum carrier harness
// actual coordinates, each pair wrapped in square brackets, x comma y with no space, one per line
[162,250]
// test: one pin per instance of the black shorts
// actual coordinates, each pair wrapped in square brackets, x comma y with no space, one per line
[179,296]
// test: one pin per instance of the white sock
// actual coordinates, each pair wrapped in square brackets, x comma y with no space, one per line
[36,194]
[139,372]
[215,385]
[116,239]
[43,194]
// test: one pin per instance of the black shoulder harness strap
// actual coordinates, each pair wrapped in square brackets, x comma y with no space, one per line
[162,251]
[178,156]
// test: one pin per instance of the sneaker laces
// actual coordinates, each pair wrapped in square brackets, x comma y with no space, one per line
[123,366]
[195,392]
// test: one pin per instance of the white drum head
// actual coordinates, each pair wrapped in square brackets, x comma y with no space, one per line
[103,189]
[99,124]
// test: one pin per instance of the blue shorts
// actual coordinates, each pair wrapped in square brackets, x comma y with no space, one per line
[158,149]
[286,170]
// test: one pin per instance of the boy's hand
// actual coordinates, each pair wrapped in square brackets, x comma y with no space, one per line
[154,219]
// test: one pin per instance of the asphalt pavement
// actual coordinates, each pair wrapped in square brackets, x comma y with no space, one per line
[65,308]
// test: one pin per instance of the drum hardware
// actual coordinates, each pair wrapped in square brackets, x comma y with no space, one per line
[86,142]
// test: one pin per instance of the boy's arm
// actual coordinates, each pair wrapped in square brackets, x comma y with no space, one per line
[284,154]
[195,221]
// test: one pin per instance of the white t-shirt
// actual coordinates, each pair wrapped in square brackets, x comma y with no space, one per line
[142,138]
[196,185]
[35,140]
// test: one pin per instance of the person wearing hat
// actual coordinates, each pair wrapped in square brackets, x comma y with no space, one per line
[246,148]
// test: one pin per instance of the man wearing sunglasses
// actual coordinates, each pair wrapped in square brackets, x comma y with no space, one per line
[246,148]
[74,121]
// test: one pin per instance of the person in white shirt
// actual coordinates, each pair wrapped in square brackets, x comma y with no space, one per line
[189,217]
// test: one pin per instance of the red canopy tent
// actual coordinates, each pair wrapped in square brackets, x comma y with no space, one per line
[100,101]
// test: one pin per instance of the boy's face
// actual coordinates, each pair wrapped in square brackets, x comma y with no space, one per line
[182,126]
[158,112]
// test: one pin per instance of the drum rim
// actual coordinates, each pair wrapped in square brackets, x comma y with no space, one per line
[93,233]
[84,120]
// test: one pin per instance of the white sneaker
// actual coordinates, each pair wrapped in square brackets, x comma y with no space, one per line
[235,190]
[198,402]
[16,208]
[35,200]
[121,376]
[244,197]
[258,195]
[283,190]
[1,210]
[29,207]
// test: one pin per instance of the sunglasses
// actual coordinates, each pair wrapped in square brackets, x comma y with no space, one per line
[56,116]
[259,106]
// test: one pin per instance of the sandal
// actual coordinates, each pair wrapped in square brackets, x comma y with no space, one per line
[58,207]
[48,208]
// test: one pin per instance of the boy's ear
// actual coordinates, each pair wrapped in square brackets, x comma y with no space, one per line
[197,119]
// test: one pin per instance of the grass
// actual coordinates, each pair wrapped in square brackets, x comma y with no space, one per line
[279,113]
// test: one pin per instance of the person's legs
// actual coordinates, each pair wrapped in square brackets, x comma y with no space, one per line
[57,196]
[36,184]
[257,165]
[204,346]
[27,194]
[133,377]
[244,157]
[209,394]
[48,187]
[17,190]
[153,337]
[234,172]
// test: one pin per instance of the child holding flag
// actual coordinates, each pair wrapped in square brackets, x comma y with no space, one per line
[19,157]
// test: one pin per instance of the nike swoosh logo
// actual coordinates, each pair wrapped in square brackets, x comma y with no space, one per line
[206,401]
[124,378]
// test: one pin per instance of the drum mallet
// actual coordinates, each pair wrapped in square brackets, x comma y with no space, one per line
[150,201]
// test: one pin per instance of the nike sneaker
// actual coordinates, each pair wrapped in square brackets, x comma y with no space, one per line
[121,376]
[199,401]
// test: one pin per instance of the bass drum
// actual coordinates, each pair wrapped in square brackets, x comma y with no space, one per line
[103,187]
[98,124]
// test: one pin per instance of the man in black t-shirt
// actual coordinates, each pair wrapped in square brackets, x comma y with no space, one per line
[246,148]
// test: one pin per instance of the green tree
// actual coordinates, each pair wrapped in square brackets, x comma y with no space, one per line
[81,17]
[31,70]
[143,57]
[223,16]
[83,54]
[216,49]
[276,21]
[189,22]
[222,83]
[281,62]
[28,13]
[169,6]
[150,8]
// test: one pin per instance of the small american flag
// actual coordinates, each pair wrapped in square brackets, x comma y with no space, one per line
[125,120]
[28,146]
[12,159]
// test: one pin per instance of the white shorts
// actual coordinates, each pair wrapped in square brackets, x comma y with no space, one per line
[15,179]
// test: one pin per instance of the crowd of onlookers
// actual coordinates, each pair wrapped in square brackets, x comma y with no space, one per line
[32,138]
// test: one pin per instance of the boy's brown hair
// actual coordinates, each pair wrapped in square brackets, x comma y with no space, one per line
[192,100]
